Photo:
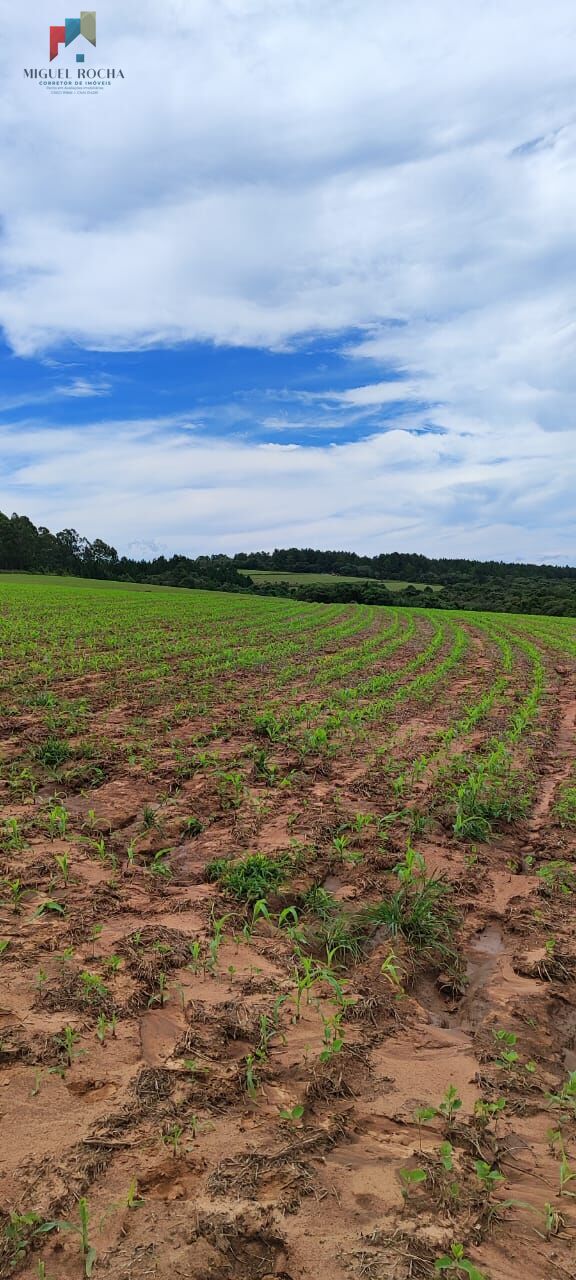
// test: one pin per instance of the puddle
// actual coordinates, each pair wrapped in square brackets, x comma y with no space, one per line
[486,948]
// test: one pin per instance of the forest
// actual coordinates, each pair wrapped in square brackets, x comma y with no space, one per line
[466,584]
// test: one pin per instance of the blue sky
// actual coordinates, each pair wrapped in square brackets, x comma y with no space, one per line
[304,277]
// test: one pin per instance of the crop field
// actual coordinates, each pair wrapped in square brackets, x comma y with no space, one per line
[287,906]
[303,579]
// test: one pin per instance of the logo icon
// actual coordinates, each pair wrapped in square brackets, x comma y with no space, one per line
[85,26]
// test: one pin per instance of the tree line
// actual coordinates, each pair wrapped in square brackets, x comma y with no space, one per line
[466,584]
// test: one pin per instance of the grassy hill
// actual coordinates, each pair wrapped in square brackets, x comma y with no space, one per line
[297,579]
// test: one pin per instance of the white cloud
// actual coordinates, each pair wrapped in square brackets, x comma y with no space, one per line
[126,481]
[271,168]
[82,388]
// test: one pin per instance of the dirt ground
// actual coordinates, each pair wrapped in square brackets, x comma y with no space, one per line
[159,1072]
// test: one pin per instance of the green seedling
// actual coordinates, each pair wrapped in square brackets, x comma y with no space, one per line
[412,1178]
[161,994]
[250,1078]
[451,1104]
[291,1115]
[105,1025]
[259,911]
[58,819]
[553,1222]
[193,827]
[487,1176]
[446,1152]
[67,1041]
[484,1112]
[4,944]
[215,942]
[52,906]
[194,1067]
[195,949]
[20,1230]
[172,1138]
[15,890]
[565,1100]
[82,1229]
[422,1115]
[160,865]
[458,1264]
[333,1041]
[131,852]
[12,837]
[62,861]
[93,987]
[394,972]
[133,1199]
[566,1173]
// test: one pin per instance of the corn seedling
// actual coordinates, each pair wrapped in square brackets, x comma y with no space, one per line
[160,996]
[67,1041]
[133,1199]
[393,971]
[82,1229]
[50,905]
[62,861]
[250,1078]
[565,1100]
[172,1138]
[15,890]
[95,933]
[553,1222]
[94,989]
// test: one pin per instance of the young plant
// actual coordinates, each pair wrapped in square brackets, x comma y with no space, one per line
[458,1265]
[412,1178]
[250,1077]
[333,1041]
[94,989]
[291,1115]
[487,1176]
[172,1138]
[565,1100]
[82,1229]
[62,861]
[67,1041]
[161,994]
[451,1104]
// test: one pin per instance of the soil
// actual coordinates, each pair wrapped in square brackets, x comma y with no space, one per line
[200,1156]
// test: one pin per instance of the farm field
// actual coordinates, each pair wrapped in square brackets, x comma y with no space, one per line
[286,939]
[300,579]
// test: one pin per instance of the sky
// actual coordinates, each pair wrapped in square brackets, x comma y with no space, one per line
[304,277]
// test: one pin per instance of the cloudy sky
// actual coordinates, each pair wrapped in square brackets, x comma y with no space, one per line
[306,276]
